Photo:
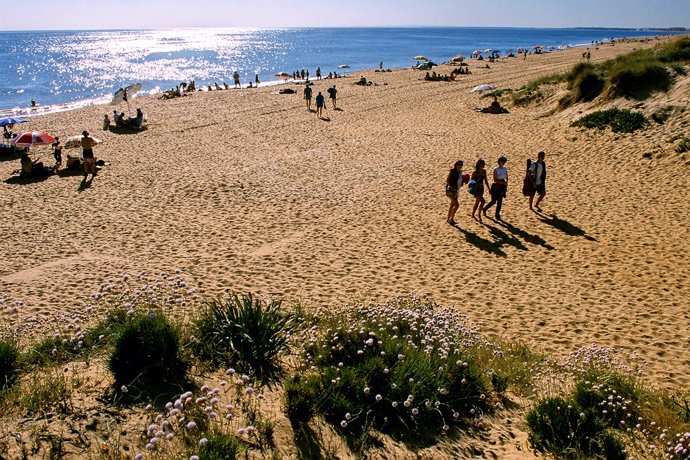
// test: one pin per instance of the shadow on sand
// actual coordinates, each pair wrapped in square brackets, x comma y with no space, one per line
[526,236]
[564,226]
[85,184]
[10,156]
[66,172]
[492,247]
[126,129]
[18,180]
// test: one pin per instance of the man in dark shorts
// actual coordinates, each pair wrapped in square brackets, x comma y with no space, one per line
[87,144]
[539,175]
[332,92]
[57,152]
[320,102]
[307,96]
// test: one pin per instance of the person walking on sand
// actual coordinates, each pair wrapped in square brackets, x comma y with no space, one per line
[453,183]
[479,178]
[236,77]
[320,102]
[318,73]
[87,144]
[256,80]
[499,187]
[332,93]
[538,174]
[307,97]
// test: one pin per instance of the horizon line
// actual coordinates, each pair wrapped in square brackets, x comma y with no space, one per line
[410,26]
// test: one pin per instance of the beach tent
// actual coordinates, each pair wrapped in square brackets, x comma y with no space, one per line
[283,75]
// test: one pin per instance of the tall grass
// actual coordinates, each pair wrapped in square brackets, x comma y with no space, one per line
[8,363]
[635,75]
[245,332]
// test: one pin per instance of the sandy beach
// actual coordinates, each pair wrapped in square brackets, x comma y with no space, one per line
[244,190]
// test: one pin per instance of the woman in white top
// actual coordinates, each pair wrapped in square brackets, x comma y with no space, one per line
[499,187]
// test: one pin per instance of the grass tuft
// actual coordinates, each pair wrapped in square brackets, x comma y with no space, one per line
[9,356]
[246,332]
[146,361]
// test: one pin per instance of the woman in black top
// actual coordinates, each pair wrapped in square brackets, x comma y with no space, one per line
[453,183]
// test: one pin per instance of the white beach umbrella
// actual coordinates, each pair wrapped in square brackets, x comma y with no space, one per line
[343,66]
[74,142]
[420,58]
[480,88]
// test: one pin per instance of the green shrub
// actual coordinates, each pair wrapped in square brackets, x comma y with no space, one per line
[219,446]
[587,86]
[382,368]
[619,120]
[612,397]
[300,397]
[146,360]
[677,51]
[638,80]
[562,427]
[8,364]
[245,332]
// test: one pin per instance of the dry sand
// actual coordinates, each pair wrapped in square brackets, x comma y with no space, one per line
[245,190]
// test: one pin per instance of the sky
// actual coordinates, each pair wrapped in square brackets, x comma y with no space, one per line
[153,14]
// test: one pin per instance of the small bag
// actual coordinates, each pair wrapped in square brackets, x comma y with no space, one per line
[472,187]
[528,185]
[451,192]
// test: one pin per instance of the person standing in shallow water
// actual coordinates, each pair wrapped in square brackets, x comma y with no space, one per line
[453,184]
[479,176]
[539,177]
[499,187]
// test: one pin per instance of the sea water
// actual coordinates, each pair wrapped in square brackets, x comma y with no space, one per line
[61,70]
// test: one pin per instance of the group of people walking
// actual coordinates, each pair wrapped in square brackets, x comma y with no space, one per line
[534,184]
[320,99]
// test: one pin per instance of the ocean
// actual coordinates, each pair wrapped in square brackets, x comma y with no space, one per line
[62,70]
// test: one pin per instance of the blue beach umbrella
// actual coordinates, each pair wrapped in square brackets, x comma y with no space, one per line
[11,121]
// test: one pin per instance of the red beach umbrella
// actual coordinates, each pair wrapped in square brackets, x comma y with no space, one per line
[32,138]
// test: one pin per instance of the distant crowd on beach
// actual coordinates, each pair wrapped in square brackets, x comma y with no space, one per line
[477,182]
